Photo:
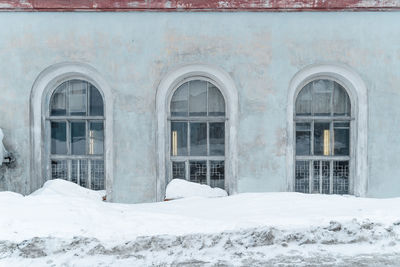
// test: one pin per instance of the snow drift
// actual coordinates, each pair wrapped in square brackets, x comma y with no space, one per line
[62,220]
[179,188]
[63,188]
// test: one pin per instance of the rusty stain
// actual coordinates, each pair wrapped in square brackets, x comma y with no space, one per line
[199,5]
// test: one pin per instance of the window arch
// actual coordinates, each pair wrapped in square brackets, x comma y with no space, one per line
[322,147]
[168,84]
[197,133]
[75,134]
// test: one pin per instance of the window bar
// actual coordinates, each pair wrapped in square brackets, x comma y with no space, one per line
[87,98]
[320,177]
[187,170]
[69,170]
[208,179]
[188,102]
[68,129]
[89,174]
[67,93]
[188,140]
[331,177]
[78,172]
[207,83]
[87,136]
[312,139]
[332,95]
[310,175]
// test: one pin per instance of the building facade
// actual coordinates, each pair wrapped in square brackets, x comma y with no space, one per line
[250,96]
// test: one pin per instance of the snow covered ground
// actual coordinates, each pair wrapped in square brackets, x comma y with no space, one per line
[63,224]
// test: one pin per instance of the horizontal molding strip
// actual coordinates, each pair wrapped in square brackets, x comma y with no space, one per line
[198,5]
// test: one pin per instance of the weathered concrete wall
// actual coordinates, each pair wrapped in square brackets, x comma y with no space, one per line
[261,51]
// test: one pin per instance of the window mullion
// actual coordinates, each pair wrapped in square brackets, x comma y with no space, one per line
[188,139]
[67,93]
[331,177]
[87,98]
[320,177]
[187,174]
[310,175]
[89,174]
[78,172]
[68,127]
[69,169]
[312,138]
[208,179]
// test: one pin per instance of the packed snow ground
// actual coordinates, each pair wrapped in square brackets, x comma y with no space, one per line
[63,224]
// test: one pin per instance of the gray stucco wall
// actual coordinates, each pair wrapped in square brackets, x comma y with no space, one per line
[261,52]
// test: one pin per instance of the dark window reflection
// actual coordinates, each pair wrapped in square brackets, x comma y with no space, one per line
[198,139]
[303,138]
[217,139]
[58,137]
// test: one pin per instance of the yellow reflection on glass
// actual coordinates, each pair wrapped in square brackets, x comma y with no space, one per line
[326,142]
[174,143]
[91,142]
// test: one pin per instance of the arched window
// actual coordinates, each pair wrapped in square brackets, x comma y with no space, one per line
[197,133]
[322,124]
[75,127]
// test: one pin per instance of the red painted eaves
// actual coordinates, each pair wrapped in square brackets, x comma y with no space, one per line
[198,5]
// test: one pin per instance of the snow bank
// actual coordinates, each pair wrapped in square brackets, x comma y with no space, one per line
[63,188]
[63,220]
[179,188]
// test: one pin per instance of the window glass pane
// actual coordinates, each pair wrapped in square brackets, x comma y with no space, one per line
[79,172]
[303,138]
[322,97]
[96,138]
[198,171]
[302,176]
[179,101]
[217,139]
[97,174]
[179,138]
[59,169]
[178,170]
[198,139]
[217,174]
[340,177]
[78,138]
[216,102]
[198,98]
[58,101]
[321,139]
[304,100]
[58,137]
[77,98]
[95,102]
[341,101]
[342,139]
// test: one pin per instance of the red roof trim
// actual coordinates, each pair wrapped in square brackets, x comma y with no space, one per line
[199,5]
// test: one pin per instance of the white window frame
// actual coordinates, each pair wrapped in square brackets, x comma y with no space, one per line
[167,86]
[41,93]
[357,92]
